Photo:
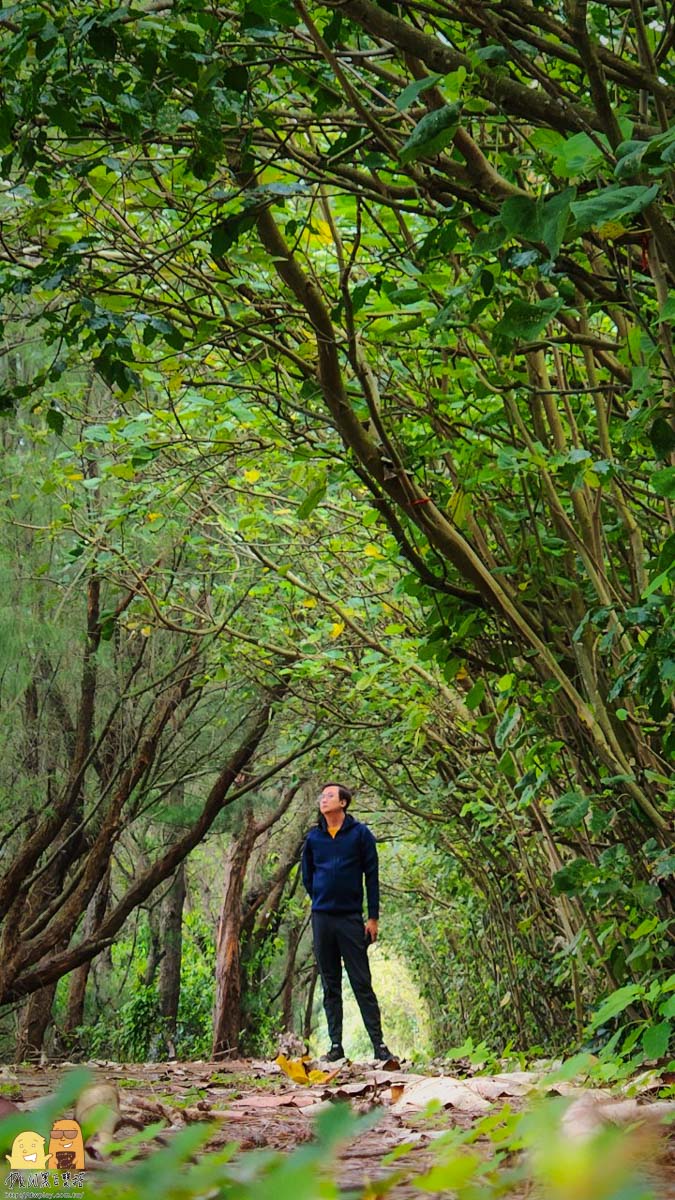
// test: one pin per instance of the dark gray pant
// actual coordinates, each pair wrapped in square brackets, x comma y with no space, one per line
[341,938]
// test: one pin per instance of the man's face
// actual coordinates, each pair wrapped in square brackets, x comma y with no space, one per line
[330,802]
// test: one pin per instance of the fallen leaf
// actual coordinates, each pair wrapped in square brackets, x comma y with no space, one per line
[451,1093]
[591,1111]
[491,1089]
[296,1070]
[316,1106]
[353,1089]
[518,1082]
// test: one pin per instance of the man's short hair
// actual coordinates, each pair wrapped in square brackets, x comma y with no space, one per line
[343,792]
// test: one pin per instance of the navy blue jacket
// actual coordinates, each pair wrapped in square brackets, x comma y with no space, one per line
[333,868]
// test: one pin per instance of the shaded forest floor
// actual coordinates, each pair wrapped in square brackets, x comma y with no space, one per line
[256,1105]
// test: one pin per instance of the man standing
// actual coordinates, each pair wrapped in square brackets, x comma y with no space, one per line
[338,852]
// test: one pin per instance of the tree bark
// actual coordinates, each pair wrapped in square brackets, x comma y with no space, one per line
[78,982]
[227,1011]
[36,1016]
[289,977]
[170,962]
[227,1014]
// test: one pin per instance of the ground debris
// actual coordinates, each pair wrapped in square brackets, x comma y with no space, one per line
[254,1104]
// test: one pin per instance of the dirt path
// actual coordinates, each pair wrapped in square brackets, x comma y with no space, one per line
[256,1105]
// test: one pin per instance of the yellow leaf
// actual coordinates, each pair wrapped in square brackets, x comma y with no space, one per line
[458,507]
[76,475]
[252,476]
[337,628]
[372,551]
[322,229]
[611,229]
[146,630]
[310,602]
[153,516]
[320,1076]
[296,1070]
[293,1067]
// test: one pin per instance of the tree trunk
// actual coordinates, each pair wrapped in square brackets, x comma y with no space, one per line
[170,963]
[154,947]
[227,1015]
[79,978]
[36,1015]
[294,937]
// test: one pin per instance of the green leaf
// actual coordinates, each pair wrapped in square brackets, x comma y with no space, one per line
[476,695]
[360,293]
[235,77]
[539,220]
[612,203]
[312,500]
[103,41]
[572,878]
[656,1039]
[555,215]
[523,321]
[431,134]
[521,217]
[507,725]
[629,159]
[662,438]
[577,156]
[495,52]
[570,809]
[414,89]
[55,420]
[664,866]
[228,231]
[617,1003]
[667,313]
[663,482]
[6,125]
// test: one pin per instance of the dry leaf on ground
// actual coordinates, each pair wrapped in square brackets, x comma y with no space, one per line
[296,1069]
[452,1093]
